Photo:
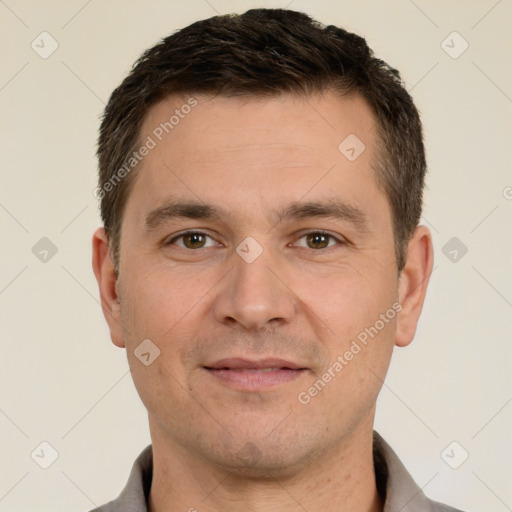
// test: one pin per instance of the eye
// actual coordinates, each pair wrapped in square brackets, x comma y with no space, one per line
[192,240]
[317,240]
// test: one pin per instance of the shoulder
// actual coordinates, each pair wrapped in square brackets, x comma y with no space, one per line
[441,507]
[396,484]
[133,497]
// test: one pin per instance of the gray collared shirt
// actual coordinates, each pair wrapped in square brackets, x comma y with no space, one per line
[398,489]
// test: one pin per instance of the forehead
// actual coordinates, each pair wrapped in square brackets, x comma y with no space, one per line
[229,122]
[267,150]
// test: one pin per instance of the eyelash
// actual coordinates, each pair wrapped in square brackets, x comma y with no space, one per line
[340,241]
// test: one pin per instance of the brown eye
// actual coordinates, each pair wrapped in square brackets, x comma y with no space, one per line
[317,240]
[193,240]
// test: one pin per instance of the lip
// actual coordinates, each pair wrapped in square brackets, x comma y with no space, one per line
[250,375]
[238,363]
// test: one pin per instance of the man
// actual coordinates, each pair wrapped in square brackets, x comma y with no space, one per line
[261,184]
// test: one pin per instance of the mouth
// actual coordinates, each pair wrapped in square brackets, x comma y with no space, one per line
[250,375]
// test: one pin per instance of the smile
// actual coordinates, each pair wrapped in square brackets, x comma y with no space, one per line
[254,379]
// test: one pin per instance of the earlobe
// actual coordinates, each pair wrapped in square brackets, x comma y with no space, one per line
[108,285]
[413,284]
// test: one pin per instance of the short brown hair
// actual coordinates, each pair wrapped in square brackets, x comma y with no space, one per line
[263,53]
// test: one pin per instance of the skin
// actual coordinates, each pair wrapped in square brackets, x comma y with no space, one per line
[217,448]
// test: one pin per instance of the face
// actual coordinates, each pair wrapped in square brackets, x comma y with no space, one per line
[259,260]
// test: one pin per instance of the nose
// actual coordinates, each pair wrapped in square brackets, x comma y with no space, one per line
[254,296]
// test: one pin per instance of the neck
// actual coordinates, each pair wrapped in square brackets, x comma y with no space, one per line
[341,479]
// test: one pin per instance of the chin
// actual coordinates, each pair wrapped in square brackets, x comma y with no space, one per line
[259,456]
[266,467]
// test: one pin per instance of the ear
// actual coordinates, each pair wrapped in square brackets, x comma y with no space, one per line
[413,284]
[107,281]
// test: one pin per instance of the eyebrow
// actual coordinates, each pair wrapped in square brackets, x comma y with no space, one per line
[334,208]
[184,210]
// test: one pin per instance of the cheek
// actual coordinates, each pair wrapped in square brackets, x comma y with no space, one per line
[162,301]
[359,356]
[348,301]
[162,389]
[358,322]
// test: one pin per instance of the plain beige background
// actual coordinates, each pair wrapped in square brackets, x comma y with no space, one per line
[62,380]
